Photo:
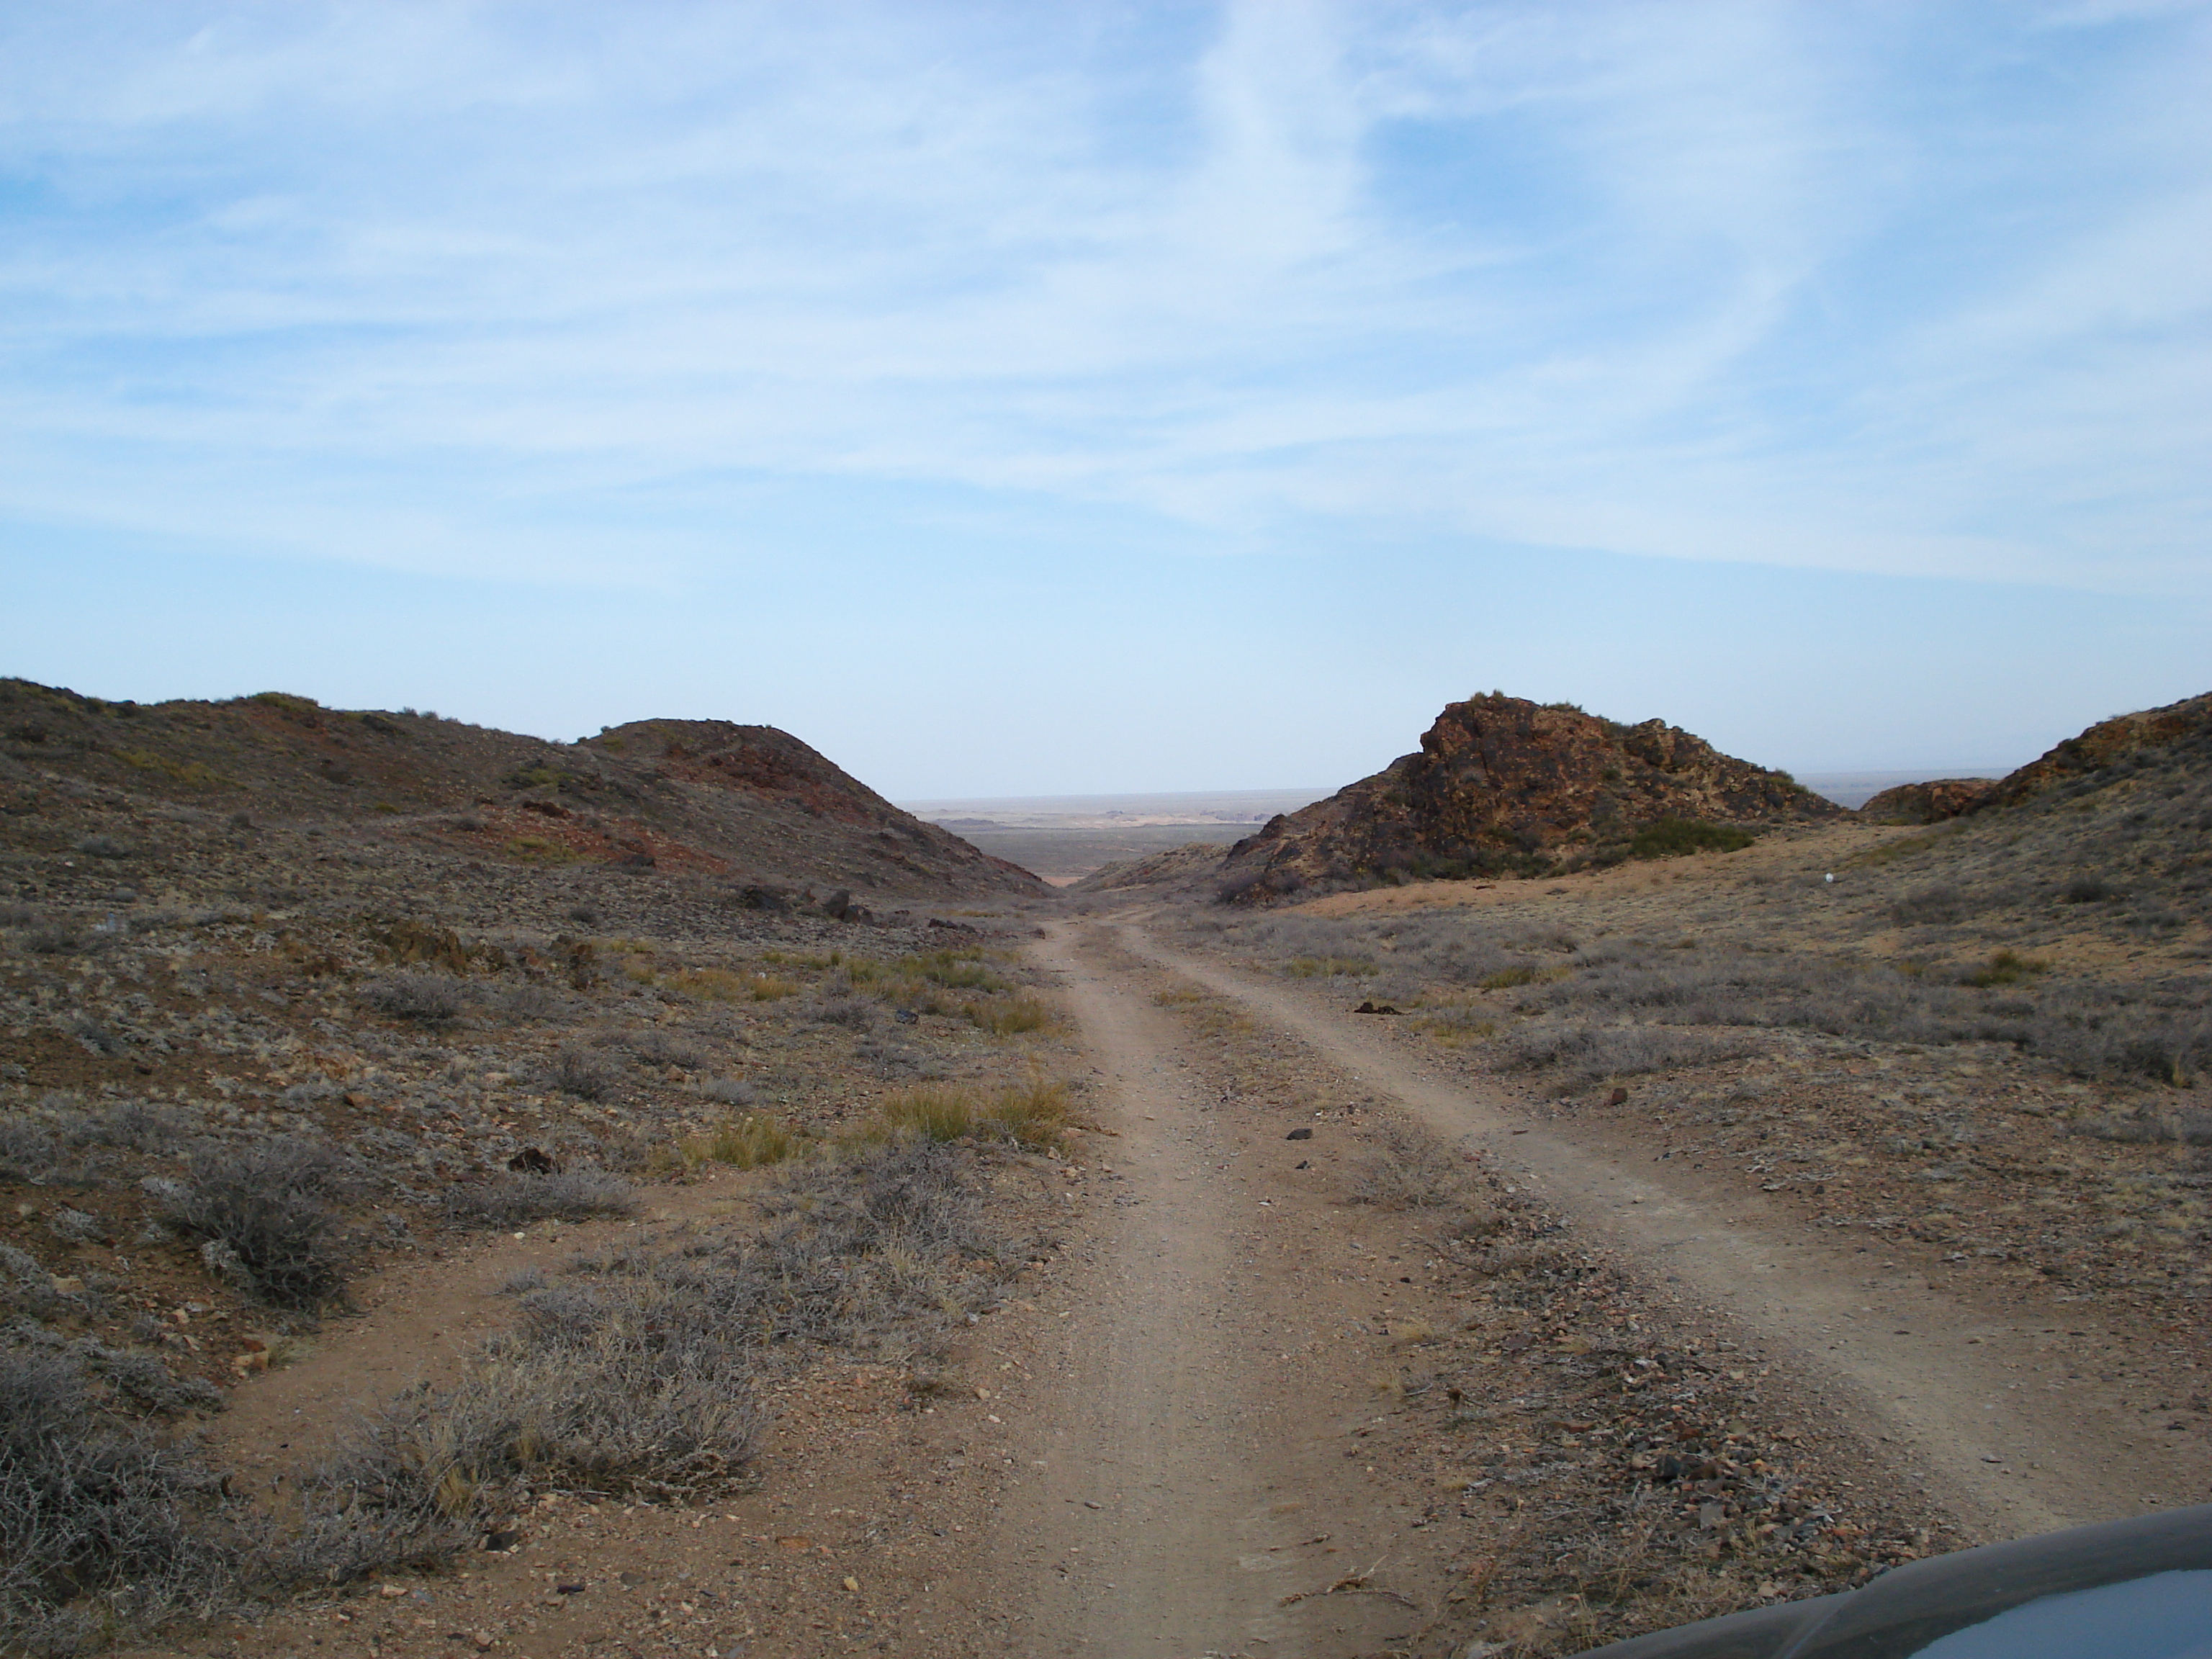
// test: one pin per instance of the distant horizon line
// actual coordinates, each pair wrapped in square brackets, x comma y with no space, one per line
[917,804]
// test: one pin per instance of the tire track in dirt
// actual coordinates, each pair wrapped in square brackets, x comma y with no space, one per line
[1180,1462]
[1895,1360]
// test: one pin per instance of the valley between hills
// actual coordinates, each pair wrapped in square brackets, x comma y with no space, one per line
[652,1195]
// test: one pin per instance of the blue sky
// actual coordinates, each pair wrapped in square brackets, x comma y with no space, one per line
[1020,399]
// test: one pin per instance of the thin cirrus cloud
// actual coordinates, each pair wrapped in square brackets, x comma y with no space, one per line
[553,292]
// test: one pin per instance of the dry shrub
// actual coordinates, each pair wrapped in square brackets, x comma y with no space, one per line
[1593,1054]
[527,1001]
[616,1388]
[137,1124]
[424,998]
[637,1376]
[517,1199]
[727,1091]
[103,1528]
[262,1211]
[1411,1171]
[2146,1125]
[658,1047]
[1931,906]
[854,1249]
[29,1151]
[579,1073]
[841,1007]
[56,939]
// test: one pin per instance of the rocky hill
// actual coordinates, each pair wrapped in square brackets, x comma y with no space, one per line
[1502,785]
[744,806]
[2111,751]
[2108,752]
[1931,802]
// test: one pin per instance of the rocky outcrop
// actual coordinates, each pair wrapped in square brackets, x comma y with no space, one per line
[2104,753]
[1928,803]
[2116,745]
[1505,786]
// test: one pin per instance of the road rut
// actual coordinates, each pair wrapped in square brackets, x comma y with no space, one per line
[1934,1374]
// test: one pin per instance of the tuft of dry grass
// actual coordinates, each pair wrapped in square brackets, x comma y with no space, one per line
[1330,968]
[711,985]
[1031,1115]
[1012,1015]
[2007,968]
[1454,1024]
[751,1142]
[1507,979]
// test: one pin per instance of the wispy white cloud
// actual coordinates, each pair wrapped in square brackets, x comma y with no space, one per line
[1757,283]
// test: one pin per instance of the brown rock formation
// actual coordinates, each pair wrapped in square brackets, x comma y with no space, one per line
[1506,787]
[1928,803]
[2125,738]
[2149,737]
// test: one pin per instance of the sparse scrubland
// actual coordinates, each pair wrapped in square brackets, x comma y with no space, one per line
[1946,1028]
[298,1006]
[257,1048]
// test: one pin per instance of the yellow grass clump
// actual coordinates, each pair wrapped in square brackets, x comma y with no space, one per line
[1031,1114]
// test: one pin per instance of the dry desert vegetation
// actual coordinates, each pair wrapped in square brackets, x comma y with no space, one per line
[650,1195]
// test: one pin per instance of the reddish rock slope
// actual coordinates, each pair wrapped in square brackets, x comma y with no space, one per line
[2152,734]
[2150,737]
[1505,786]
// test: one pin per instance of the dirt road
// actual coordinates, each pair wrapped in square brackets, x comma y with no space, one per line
[1980,1407]
[1235,1407]
[1188,1426]
[1190,1421]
